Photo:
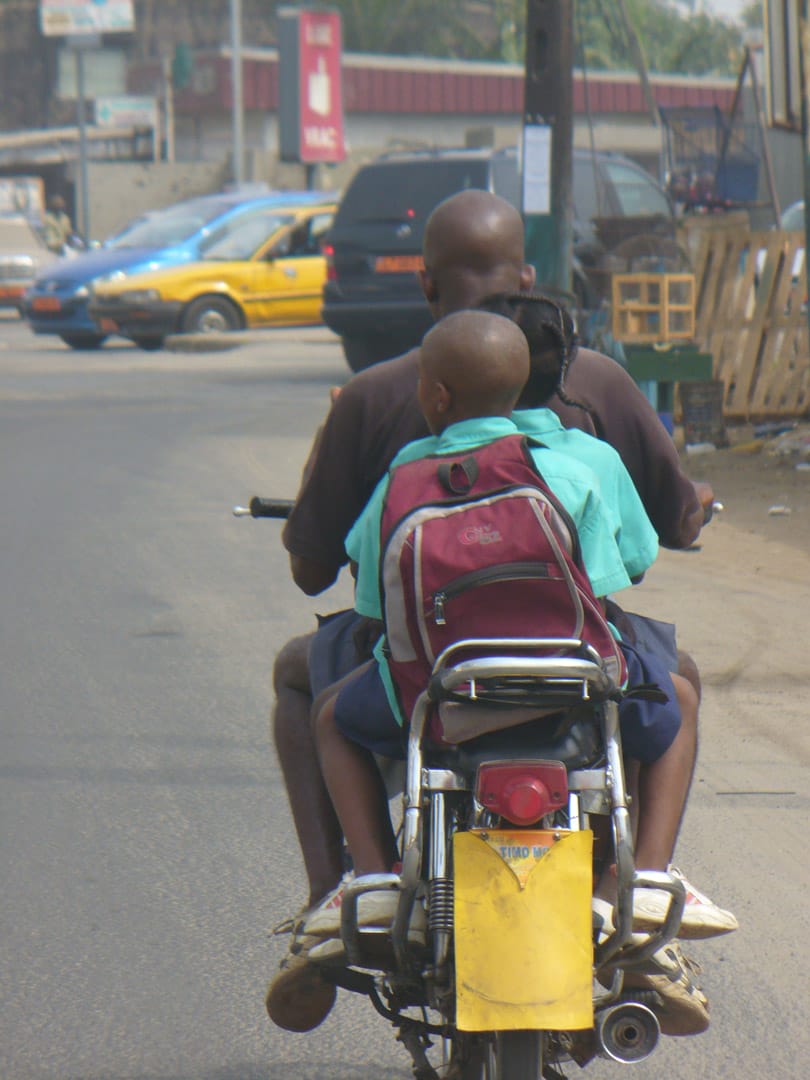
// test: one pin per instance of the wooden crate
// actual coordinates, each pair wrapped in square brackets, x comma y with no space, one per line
[652,308]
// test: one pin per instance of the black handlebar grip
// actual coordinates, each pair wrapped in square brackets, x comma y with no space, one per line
[270,508]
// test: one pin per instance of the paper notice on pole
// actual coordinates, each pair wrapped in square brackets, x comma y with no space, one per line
[537,169]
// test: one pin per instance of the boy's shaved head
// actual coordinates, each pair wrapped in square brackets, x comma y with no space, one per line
[472,364]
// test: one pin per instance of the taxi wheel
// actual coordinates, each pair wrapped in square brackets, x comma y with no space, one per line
[84,341]
[211,315]
[149,344]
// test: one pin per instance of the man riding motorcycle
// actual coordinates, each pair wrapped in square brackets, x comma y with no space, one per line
[473,248]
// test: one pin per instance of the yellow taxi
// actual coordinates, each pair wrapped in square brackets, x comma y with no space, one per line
[262,269]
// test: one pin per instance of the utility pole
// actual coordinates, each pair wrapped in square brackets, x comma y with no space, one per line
[804,90]
[548,137]
[238,96]
[80,43]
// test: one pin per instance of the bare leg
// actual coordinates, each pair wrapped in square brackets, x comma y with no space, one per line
[687,669]
[318,829]
[663,787]
[358,795]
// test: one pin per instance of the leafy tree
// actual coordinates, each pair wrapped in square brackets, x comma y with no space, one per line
[694,43]
[674,40]
[753,16]
[410,27]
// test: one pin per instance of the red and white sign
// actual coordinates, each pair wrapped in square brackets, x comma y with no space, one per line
[321,94]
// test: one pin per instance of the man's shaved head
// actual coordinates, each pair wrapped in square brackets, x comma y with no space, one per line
[473,247]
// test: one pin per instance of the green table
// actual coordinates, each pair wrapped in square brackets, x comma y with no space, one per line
[656,370]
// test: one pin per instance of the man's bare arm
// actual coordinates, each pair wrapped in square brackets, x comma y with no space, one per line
[312,577]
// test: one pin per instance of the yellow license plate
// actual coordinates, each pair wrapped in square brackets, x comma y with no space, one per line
[523,937]
[398,264]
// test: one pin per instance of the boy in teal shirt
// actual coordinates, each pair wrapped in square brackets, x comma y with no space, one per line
[472,368]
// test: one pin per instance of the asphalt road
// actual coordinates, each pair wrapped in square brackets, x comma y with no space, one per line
[144,835]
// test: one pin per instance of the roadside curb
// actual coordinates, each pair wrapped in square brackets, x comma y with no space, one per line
[213,342]
[186,343]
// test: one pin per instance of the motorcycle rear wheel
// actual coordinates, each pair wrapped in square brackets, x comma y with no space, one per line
[511,1055]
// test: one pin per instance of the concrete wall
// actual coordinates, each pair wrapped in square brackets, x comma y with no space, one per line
[369,135]
[119,191]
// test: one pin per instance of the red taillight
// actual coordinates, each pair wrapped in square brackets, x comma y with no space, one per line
[329,254]
[522,791]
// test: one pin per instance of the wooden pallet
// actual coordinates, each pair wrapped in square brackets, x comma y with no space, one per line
[751,314]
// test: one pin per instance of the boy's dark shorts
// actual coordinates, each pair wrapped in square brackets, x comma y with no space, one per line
[651,636]
[648,727]
[362,714]
[334,649]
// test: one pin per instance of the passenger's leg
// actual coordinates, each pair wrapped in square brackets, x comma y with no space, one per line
[316,823]
[659,788]
[663,786]
[358,795]
[688,669]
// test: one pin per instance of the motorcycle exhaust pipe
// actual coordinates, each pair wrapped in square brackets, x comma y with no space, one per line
[627,1032]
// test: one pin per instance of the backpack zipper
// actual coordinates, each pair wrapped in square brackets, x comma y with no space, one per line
[487,576]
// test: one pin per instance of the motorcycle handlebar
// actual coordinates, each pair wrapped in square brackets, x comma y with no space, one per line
[259,507]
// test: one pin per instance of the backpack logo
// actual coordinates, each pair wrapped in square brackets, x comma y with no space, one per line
[480,534]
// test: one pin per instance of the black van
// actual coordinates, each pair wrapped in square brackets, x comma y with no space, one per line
[372,297]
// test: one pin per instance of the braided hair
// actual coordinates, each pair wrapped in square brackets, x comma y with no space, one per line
[552,337]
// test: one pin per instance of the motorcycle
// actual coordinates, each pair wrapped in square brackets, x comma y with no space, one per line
[493,969]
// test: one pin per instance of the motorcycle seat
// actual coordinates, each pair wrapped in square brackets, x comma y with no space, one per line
[572,737]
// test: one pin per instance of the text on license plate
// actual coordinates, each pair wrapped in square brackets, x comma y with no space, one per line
[46,303]
[398,264]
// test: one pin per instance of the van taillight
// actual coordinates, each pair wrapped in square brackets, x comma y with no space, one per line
[329,255]
[522,791]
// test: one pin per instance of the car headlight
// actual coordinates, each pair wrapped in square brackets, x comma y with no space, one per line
[90,288]
[139,296]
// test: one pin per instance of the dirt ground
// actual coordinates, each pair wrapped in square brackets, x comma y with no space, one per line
[762,480]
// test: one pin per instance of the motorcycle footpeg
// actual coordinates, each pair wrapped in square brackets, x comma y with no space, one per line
[658,936]
[636,948]
[350,930]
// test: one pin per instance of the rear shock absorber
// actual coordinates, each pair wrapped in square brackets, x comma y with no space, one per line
[440,919]
[440,916]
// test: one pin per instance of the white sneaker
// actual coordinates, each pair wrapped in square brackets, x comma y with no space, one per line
[374,909]
[702,918]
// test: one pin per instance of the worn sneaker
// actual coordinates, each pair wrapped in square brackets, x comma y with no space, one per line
[299,998]
[374,909]
[702,918]
[682,1008]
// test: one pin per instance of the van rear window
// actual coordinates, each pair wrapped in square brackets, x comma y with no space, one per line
[409,190]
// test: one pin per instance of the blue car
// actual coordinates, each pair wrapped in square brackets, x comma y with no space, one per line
[57,301]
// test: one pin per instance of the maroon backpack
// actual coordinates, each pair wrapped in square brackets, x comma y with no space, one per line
[475,545]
